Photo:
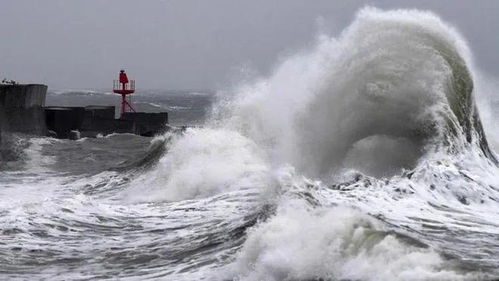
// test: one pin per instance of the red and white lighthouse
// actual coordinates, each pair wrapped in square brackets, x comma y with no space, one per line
[124,87]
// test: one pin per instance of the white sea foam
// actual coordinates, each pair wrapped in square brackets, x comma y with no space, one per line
[375,100]
[361,126]
[382,77]
[300,243]
[201,163]
[487,102]
[37,162]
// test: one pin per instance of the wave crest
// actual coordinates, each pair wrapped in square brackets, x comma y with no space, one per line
[399,77]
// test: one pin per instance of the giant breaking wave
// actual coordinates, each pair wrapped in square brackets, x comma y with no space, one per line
[381,119]
[363,158]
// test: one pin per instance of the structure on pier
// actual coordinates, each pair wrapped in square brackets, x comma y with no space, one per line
[124,87]
[23,110]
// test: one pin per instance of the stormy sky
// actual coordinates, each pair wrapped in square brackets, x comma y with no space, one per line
[192,44]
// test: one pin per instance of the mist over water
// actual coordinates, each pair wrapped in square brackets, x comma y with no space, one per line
[363,158]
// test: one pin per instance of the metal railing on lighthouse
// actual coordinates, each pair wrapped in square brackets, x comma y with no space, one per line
[124,87]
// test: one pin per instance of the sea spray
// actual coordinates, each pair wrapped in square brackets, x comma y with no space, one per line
[398,75]
[382,120]
[384,115]
[360,159]
[202,163]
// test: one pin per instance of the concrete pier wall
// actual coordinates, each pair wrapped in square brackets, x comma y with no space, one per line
[147,124]
[62,120]
[91,121]
[21,109]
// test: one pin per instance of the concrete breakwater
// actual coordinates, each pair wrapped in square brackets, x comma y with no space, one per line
[22,110]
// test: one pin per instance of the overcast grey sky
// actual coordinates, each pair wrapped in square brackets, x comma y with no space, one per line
[192,44]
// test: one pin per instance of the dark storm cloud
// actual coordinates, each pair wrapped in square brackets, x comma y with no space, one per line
[191,44]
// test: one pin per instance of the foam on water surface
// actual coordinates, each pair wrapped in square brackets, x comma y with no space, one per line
[363,158]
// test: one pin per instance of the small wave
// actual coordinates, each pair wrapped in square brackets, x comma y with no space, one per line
[12,148]
[37,161]
[81,92]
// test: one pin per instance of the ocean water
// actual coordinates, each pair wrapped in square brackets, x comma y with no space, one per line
[370,156]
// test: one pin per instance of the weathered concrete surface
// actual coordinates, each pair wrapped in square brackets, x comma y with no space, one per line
[100,120]
[147,124]
[90,121]
[104,126]
[21,109]
[63,120]
[99,111]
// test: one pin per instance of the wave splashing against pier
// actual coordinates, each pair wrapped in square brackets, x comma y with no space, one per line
[361,159]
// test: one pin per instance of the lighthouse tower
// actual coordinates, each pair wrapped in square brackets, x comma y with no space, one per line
[124,87]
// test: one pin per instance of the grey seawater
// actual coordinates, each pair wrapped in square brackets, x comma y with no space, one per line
[62,216]
[362,159]
[76,210]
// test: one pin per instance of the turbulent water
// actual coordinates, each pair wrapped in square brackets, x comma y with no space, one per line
[363,158]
